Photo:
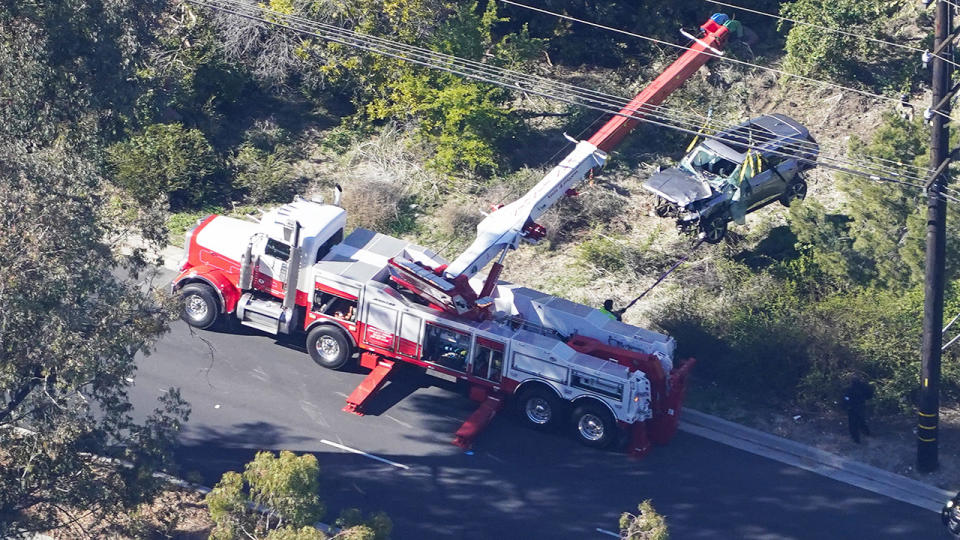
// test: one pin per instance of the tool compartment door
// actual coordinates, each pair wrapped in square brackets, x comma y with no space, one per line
[380,330]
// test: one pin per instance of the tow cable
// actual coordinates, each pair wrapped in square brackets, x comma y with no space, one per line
[662,277]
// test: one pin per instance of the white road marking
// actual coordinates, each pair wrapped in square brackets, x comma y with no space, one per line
[608,533]
[402,423]
[362,453]
[314,413]
[341,394]
[495,458]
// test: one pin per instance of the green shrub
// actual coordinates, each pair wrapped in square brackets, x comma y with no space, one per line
[286,486]
[602,252]
[263,176]
[814,52]
[166,160]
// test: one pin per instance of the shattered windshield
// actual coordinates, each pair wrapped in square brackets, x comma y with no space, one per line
[709,165]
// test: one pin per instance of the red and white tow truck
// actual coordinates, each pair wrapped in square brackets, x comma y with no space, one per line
[382,300]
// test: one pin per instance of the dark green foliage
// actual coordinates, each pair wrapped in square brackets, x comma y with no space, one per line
[67,68]
[814,52]
[765,339]
[265,176]
[376,526]
[69,332]
[166,160]
[880,237]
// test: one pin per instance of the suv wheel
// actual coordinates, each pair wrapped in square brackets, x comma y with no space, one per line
[714,228]
[796,191]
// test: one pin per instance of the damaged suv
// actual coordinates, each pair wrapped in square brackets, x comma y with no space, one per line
[736,172]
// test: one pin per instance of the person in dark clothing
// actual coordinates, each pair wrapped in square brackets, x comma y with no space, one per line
[950,515]
[855,402]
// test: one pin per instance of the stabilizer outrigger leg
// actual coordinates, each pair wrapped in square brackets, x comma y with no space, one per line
[370,385]
[478,421]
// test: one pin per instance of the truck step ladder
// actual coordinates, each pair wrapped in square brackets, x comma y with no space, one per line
[373,381]
[478,421]
[264,315]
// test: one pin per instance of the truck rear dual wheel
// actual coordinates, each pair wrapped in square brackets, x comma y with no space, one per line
[199,307]
[593,426]
[329,347]
[539,408]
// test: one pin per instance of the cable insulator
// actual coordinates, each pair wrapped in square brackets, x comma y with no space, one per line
[926,57]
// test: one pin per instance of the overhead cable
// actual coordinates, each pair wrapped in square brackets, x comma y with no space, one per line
[487,70]
[830,29]
[810,80]
[494,75]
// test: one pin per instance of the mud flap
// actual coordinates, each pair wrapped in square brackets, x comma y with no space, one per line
[639,441]
[663,426]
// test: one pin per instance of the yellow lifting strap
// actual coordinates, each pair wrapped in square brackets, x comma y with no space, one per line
[700,132]
[743,167]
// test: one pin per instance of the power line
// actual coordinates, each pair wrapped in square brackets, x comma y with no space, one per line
[708,53]
[829,29]
[449,63]
[662,120]
[558,89]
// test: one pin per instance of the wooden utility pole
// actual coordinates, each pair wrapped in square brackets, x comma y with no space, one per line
[929,406]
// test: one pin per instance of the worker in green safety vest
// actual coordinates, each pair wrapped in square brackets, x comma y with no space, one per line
[607,310]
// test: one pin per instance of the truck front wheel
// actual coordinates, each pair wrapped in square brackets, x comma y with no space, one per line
[198,305]
[328,347]
[593,426]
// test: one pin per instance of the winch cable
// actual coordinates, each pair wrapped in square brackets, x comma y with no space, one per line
[662,277]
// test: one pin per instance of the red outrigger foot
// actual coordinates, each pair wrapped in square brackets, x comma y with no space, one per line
[366,389]
[478,421]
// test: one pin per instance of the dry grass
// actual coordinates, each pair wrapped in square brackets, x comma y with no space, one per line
[176,513]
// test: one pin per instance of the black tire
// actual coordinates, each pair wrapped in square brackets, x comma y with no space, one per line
[714,228]
[329,347]
[539,408]
[593,426]
[199,305]
[796,191]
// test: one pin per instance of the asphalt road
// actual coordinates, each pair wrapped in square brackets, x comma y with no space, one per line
[249,392]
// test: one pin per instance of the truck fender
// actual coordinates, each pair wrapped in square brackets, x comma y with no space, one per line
[338,326]
[530,383]
[227,292]
[583,399]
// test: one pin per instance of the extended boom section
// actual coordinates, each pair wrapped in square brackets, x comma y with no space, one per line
[502,230]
